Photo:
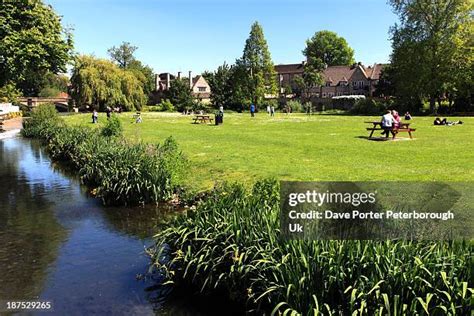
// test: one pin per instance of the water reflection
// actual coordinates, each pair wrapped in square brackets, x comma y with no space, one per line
[58,244]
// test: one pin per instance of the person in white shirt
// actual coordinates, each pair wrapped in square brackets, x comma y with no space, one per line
[387,123]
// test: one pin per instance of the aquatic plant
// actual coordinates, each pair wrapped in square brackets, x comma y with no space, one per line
[119,172]
[232,242]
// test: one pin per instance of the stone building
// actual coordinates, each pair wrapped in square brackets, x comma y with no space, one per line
[199,86]
[338,80]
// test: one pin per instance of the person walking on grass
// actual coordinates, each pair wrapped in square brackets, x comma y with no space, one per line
[95,117]
[272,111]
[269,110]
[108,111]
[252,110]
[387,123]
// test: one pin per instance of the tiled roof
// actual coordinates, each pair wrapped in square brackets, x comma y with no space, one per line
[289,68]
[336,74]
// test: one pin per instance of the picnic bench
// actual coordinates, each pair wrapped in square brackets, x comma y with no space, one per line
[202,119]
[377,126]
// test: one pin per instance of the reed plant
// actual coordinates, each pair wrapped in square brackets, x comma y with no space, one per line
[232,242]
[118,172]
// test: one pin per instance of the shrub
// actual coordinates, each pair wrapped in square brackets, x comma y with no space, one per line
[166,105]
[368,107]
[295,106]
[113,127]
[43,118]
[8,93]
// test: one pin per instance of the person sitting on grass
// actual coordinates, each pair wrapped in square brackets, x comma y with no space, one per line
[407,116]
[138,117]
[387,123]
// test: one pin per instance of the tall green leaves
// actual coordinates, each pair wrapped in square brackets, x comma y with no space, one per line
[100,83]
[119,173]
[232,242]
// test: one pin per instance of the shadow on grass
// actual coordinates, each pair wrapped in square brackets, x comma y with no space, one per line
[382,139]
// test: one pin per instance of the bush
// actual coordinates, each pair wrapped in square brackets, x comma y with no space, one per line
[43,117]
[8,93]
[113,127]
[166,105]
[295,106]
[368,107]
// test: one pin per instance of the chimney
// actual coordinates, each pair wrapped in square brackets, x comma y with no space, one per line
[190,79]
[168,80]
[157,82]
[179,75]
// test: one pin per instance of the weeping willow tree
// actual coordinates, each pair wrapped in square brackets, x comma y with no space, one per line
[100,83]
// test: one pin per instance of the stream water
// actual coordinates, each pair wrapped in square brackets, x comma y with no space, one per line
[58,244]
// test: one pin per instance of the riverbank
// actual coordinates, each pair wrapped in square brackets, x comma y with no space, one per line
[116,171]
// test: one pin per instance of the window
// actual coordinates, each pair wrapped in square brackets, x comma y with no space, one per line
[202,89]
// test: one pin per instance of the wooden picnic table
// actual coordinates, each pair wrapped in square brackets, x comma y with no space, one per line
[202,118]
[377,126]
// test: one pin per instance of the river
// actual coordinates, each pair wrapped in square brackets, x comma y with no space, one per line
[60,245]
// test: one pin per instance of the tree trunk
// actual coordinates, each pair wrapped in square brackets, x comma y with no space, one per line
[433,104]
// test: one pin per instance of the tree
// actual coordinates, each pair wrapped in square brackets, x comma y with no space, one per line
[310,79]
[123,54]
[221,85]
[180,94]
[144,73]
[432,48]
[258,76]
[100,83]
[32,43]
[325,49]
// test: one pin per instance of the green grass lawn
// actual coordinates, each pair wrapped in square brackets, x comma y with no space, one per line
[301,147]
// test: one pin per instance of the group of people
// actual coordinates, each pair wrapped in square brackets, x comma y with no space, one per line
[108,112]
[391,122]
[270,110]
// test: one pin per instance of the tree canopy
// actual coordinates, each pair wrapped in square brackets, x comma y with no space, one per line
[432,49]
[326,48]
[32,43]
[124,57]
[100,83]
[123,54]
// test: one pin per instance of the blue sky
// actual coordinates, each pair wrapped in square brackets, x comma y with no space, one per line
[182,35]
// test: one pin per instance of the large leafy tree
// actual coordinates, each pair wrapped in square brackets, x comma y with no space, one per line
[100,83]
[32,43]
[432,48]
[257,76]
[123,56]
[326,48]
